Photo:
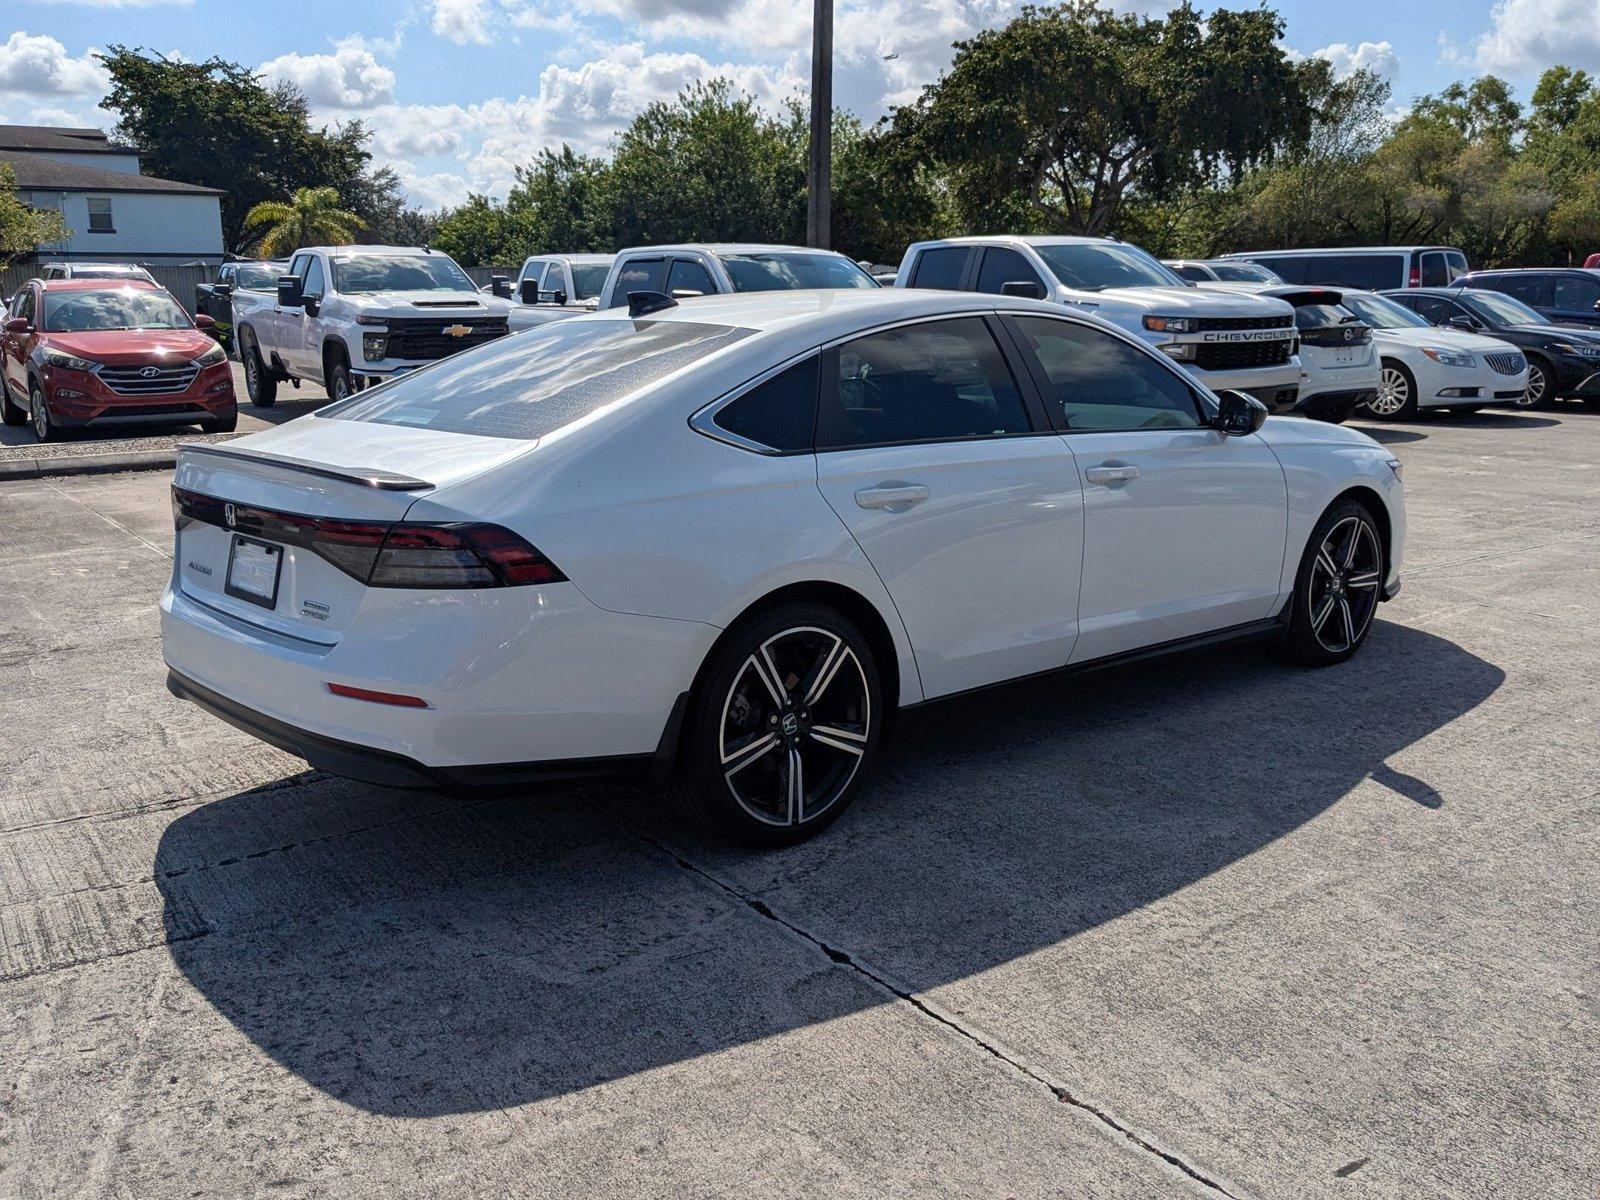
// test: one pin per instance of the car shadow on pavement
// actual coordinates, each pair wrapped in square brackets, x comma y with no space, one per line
[417,955]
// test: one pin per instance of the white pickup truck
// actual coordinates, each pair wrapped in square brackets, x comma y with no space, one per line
[345,316]
[703,269]
[552,286]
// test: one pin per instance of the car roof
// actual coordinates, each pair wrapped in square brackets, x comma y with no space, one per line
[388,251]
[984,239]
[1338,250]
[1531,271]
[97,285]
[830,312]
[572,258]
[727,248]
[1423,291]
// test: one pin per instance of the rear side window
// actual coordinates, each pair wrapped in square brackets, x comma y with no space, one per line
[539,381]
[689,278]
[1431,308]
[1577,291]
[780,413]
[1369,272]
[1002,266]
[920,383]
[941,267]
[1286,267]
[1535,290]
[638,275]
[1434,271]
[1099,382]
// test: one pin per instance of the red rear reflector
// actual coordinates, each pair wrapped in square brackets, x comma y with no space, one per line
[395,698]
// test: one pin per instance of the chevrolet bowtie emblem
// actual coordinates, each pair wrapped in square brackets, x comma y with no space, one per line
[457,330]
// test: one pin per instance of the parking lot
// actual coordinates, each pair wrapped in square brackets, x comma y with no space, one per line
[1211,926]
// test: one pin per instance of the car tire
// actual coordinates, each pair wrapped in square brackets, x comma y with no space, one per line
[1336,589]
[39,415]
[336,370]
[225,424]
[1541,379]
[259,382]
[11,413]
[795,685]
[1397,393]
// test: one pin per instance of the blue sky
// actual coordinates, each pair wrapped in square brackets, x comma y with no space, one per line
[459,92]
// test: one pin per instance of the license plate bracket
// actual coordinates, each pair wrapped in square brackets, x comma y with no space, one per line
[254,569]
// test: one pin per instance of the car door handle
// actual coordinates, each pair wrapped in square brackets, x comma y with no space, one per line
[896,497]
[1112,473]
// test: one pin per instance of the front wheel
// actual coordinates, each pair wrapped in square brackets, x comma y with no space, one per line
[1337,588]
[259,382]
[1397,393]
[337,372]
[43,427]
[225,424]
[783,727]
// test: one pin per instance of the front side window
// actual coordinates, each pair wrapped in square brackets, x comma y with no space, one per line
[534,273]
[1096,381]
[1095,266]
[100,215]
[114,308]
[780,413]
[941,267]
[782,272]
[1001,266]
[312,288]
[22,306]
[1434,272]
[639,275]
[369,273]
[533,384]
[920,383]
[689,278]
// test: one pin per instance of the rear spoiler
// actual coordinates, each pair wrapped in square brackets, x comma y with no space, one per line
[372,477]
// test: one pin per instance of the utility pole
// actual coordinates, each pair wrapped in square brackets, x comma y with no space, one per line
[819,170]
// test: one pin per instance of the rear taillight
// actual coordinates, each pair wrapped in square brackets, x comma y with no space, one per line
[402,555]
[1416,278]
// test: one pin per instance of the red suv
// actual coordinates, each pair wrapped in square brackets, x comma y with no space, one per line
[90,351]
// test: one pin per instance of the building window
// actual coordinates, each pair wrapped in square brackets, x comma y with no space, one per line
[100,215]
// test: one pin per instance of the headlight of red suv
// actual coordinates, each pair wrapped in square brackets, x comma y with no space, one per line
[212,357]
[69,362]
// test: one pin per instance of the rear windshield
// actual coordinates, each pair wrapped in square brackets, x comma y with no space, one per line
[114,308]
[787,272]
[534,383]
[260,279]
[1322,316]
[588,279]
[1244,272]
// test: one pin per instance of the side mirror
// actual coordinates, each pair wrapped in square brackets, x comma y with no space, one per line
[1238,413]
[1466,323]
[560,297]
[528,291]
[222,289]
[202,321]
[1028,289]
[312,305]
[17,325]
[500,286]
[289,294]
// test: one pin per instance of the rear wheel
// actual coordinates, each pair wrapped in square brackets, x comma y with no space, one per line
[259,382]
[783,727]
[1337,588]
[39,408]
[11,413]
[1397,393]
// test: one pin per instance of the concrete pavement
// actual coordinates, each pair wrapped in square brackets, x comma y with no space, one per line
[1204,927]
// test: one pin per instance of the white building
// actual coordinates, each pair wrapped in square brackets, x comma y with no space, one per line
[114,213]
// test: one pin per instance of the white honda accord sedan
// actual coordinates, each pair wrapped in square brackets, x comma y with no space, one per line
[725,541]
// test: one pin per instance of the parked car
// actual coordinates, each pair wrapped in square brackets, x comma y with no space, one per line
[1425,366]
[1336,354]
[94,270]
[1222,270]
[833,505]
[1239,342]
[1562,361]
[344,316]
[79,352]
[1371,268]
[1563,296]
[706,269]
[552,286]
[215,299]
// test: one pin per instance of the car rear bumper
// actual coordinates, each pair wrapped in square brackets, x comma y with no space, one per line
[1336,406]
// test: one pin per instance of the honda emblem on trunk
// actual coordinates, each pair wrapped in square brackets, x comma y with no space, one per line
[228,514]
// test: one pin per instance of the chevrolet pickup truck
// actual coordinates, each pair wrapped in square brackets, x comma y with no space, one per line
[552,286]
[1228,341]
[703,269]
[347,316]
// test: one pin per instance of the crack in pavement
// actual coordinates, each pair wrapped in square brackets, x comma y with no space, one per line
[880,981]
[61,491]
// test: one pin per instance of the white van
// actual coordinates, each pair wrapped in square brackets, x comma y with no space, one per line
[1370,268]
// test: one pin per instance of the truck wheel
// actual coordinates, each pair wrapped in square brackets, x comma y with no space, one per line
[258,381]
[336,370]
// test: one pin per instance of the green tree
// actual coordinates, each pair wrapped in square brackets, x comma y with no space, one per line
[312,218]
[23,228]
[1057,119]
[480,233]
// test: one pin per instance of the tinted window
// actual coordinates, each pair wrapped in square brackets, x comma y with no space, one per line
[535,383]
[1530,289]
[1369,272]
[22,305]
[1321,316]
[941,268]
[1501,310]
[920,383]
[689,278]
[535,272]
[588,279]
[784,272]
[1095,266]
[638,275]
[1285,267]
[1434,273]
[1456,262]
[313,284]
[1577,291]
[1382,313]
[1097,381]
[781,413]
[1192,272]
[1002,266]
[1244,272]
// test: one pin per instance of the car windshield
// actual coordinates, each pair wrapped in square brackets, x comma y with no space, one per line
[258,278]
[1093,267]
[539,381]
[588,279]
[1500,309]
[399,273]
[781,272]
[1381,313]
[114,308]
[1244,272]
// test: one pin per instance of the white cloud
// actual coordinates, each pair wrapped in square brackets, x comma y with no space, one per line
[116,3]
[1377,57]
[462,21]
[349,78]
[1526,36]
[40,66]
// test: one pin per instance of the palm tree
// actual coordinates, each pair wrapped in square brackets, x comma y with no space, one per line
[312,218]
